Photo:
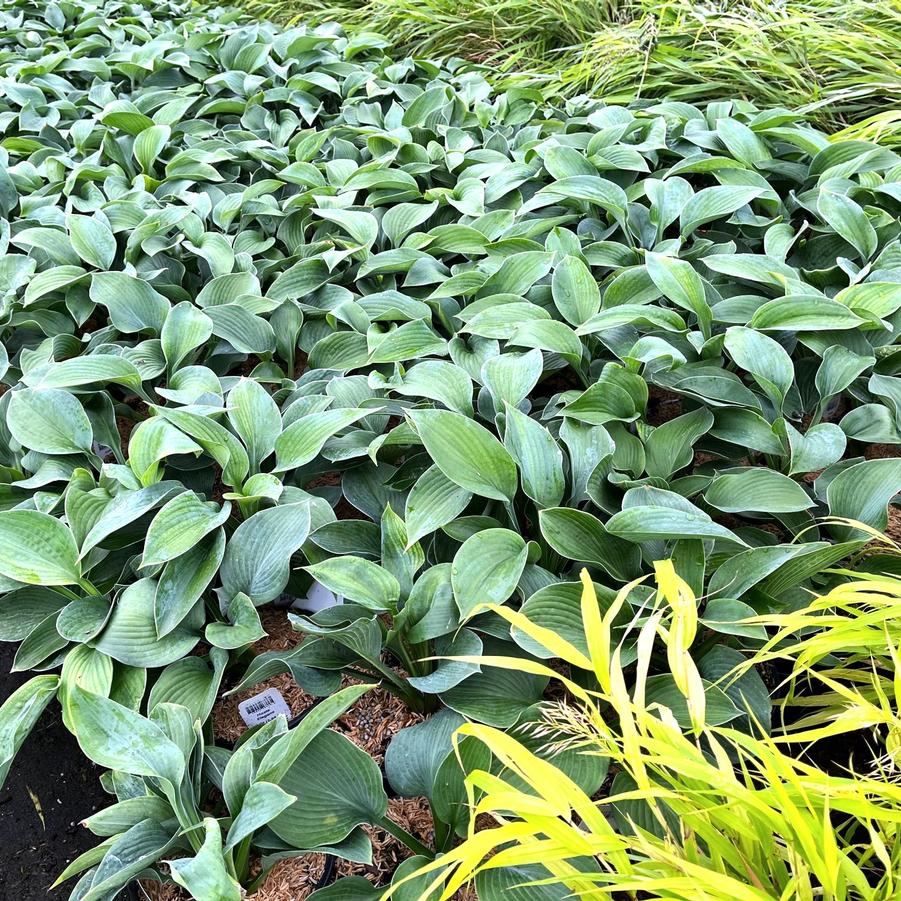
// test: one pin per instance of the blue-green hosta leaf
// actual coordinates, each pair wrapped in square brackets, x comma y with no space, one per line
[23,609]
[747,429]
[437,380]
[92,240]
[280,757]
[717,202]
[254,415]
[746,569]
[185,329]
[128,855]
[743,143]
[49,420]
[496,696]
[646,523]
[677,280]
[872,423]
[361,226]
[578,535]
[838,370]
[629,314]
[87,370]
[133,305]
[468,454]
[215,439]
[302,279]
[56,279]
[531,882]
[487,568]
[849,220]
[243,627]
[409,341]
[669,446]
[114,736]
[19,713]
[820,446]
[433,502]
[804,313]
[37,549]
[862,493]
[591,189]
[725,615]
[262,804]
[304,438]
[179,525]
[415,753]
[576,293]
[131,636]
[449,672]
[510,377]
[190,682]
[257,558]
[205,875]
[756,488]
[148,145]
[879,299]
[765,359]
[358,580]
[245,332]
[537,455]
[338,787]
[558,607]
[122,510]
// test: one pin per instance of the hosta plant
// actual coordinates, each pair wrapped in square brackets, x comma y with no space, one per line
[162,774]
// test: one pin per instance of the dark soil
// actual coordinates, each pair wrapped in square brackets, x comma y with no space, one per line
[51,767]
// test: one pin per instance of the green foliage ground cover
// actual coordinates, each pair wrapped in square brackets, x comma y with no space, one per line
[277,307]
[837,60]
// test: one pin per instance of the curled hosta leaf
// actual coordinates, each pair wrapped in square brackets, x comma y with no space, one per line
[19,713]
[205,875]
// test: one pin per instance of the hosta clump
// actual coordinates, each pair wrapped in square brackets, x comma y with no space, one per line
[278,308]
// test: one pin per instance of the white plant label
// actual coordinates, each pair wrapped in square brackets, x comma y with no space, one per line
[318,598]
[265,706]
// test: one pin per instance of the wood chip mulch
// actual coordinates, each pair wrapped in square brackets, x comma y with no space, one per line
[227,722]
[893,529]
[882,451]
[663,405]
[293,879]
[374,720]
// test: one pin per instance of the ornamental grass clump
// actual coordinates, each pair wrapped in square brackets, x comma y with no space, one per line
[280,312]
[721,813]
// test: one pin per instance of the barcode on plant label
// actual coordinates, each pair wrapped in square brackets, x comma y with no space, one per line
[265,706]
